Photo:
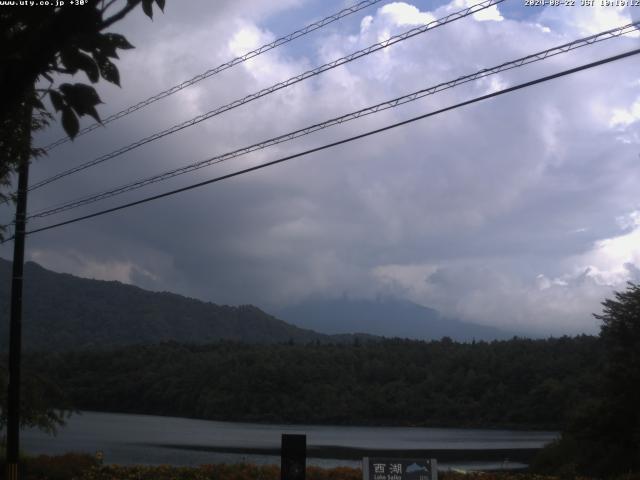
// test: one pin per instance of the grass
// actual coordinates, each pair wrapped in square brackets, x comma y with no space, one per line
[73,466]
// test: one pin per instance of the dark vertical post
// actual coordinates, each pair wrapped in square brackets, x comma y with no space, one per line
[15,327]
[293,457]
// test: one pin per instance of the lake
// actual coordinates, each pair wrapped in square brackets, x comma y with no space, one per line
[152,440]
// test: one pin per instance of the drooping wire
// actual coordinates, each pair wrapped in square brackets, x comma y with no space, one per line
[220,68]
[278,86]
[395,102]
[343,141]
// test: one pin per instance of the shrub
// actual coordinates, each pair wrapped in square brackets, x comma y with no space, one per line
[61,467]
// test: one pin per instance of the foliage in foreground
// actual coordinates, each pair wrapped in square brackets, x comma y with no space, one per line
[37,394]
[84,467]
[603,435]
[74,466]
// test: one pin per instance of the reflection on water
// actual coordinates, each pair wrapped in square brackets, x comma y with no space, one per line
[143,439]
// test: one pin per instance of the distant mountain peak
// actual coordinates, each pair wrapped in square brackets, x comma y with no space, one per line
[384,316]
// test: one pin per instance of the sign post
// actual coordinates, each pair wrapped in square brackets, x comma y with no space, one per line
[399,469]
[293,457]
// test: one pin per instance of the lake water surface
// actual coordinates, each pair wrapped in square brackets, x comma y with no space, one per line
[152,440]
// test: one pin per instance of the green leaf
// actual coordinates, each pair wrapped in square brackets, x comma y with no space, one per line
[147,7]
[69,61]
[88,66]
[70,122]
[106,47]
[82,98]
[87,42]
[108,51]
[91,111]
[160,4]
[117,40]
[109,71]
[74,60]
[79,92]
[56,100]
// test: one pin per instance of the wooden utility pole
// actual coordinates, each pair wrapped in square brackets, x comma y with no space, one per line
[15,326]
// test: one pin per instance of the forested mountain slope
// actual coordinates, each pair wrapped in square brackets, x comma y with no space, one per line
[63,312]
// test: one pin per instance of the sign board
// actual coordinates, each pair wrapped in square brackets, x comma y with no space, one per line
[374,468]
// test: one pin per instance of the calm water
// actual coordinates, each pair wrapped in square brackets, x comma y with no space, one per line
[145,439]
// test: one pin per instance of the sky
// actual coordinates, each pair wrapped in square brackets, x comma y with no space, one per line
[521,211]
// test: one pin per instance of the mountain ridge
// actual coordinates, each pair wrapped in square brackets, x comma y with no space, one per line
[410,320]
[62,312]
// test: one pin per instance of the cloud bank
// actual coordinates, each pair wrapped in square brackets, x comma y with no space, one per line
[519,212]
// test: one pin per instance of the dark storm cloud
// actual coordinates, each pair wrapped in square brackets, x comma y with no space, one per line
[492,212]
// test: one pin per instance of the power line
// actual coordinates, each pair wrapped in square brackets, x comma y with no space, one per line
[243,58]
[340,142]
[278,86]
[535,57]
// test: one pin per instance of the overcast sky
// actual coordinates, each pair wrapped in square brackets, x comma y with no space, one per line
[522,211]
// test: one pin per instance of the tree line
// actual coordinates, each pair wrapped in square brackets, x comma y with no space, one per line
[517,383]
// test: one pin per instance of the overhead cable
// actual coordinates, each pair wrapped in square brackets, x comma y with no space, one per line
[535,57]
[231,63]
[278,86]
[341,142]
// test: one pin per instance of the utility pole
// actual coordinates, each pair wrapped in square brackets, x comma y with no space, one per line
[15,326]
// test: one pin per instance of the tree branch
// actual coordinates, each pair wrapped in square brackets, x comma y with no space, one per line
[119,16]
[106,7]
[61,70]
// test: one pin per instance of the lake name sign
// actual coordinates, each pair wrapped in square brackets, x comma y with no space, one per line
[374,468]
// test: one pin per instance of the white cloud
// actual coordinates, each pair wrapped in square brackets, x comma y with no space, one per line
[81,265]
[403,14]
[629,221]
[623,117]
[500,296]
[365,24]
[587,20]
[479,293]
[496,84]
[543,28]
[500,212]
[609,261]
[488,14]
[246,39]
